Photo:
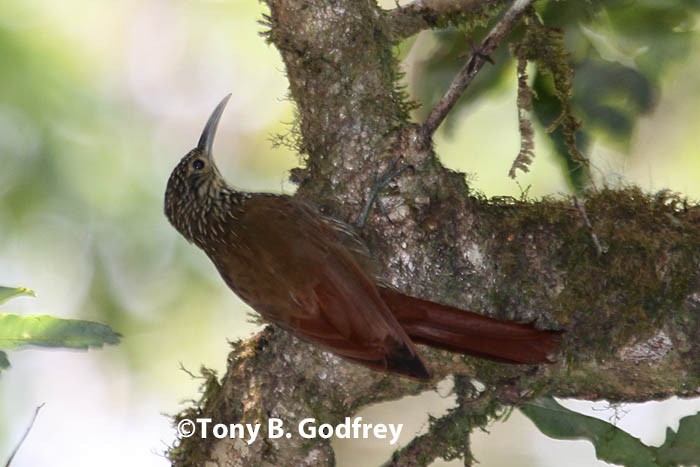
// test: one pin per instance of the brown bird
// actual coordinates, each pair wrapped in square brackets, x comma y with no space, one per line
[311,275]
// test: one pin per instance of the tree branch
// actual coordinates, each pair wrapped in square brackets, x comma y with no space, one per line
[24,436]
[408,20]
[476,61]
[631,336]
[446,437]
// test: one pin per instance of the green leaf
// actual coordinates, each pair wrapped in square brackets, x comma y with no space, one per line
[611,443]
[4,362]
[682,448]
[49,331]
[7,293]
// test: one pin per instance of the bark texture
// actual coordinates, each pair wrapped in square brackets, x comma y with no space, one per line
[619,270]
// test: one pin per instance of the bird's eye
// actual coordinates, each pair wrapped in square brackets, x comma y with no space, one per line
[198,164]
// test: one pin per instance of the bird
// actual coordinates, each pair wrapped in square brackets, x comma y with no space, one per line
[312,275]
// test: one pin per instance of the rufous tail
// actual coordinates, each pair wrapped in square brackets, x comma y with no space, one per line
[462,331]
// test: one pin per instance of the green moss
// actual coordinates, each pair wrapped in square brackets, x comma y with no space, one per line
[544,46]
[630,264]
[187,452]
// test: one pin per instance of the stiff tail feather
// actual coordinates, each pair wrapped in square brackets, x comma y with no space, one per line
[462,331]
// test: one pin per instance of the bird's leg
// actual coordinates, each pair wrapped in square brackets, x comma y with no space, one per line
[378,185]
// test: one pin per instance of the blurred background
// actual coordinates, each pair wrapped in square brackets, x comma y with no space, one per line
[98,102]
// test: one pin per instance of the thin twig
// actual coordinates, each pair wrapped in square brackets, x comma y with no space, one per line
[582,209]
[476,61]
[191,374]
[24,436]
[431,445]
[451,432]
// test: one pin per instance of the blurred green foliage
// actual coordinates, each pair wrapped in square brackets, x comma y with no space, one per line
[85,158]
[85,151]
[7,293]
[619,50]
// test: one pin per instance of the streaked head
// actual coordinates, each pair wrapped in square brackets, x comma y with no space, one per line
[195,182]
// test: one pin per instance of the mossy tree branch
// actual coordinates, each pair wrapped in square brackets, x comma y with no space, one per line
[407,20]
[632,313]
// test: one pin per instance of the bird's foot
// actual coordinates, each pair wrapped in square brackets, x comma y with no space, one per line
[396,168]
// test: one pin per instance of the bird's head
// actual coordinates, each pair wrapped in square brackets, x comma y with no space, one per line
[196,182]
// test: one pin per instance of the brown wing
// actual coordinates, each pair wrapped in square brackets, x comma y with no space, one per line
[296,273]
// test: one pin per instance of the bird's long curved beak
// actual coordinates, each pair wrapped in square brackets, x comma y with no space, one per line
[206,141]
